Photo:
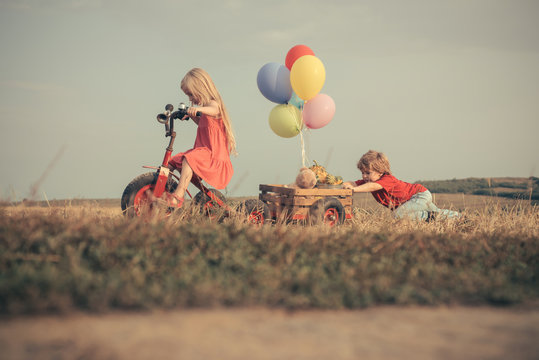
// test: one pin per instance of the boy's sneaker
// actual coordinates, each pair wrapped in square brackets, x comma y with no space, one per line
[431,216]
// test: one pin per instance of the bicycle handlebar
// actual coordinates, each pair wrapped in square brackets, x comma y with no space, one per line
[169,115]
[181,113]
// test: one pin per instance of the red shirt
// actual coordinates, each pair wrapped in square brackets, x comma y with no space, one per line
[394,192]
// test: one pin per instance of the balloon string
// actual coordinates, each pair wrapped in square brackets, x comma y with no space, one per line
[303,156]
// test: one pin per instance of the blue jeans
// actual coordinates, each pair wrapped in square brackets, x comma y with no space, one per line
[419,206]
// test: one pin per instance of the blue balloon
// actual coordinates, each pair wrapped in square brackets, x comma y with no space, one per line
[296,101]
[274,82]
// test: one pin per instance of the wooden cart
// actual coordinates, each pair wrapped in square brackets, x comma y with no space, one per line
[311,206]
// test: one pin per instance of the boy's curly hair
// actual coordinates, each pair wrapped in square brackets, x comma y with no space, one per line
[374,160]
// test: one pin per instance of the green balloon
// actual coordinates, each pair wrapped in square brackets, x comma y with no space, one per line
[285,120]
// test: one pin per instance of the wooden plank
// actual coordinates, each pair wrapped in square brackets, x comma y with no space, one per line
[271,198]
[281,189]
[310,201]
[299,201]
[277,200]
[346,202]
[324,192]
[282,201]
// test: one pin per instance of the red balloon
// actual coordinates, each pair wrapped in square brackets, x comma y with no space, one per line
[295,53]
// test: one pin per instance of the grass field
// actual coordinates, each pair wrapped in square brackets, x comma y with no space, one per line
[85,255]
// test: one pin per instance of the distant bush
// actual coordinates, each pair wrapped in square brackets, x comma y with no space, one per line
[466,186]
[510,185]
[520,195]
[480,186]
[483,192]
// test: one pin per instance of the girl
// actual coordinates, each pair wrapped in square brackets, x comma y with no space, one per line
[209,159]
[406,200]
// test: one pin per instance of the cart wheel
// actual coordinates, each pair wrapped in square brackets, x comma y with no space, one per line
[257,211]
[327,211]
[207,205]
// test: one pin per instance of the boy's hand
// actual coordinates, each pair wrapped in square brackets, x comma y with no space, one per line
[347,185]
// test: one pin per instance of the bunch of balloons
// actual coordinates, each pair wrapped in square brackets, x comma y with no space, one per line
[296,87]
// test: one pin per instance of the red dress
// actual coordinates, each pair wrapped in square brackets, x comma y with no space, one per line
[209,158]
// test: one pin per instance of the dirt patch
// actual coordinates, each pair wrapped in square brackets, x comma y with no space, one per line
[374,333]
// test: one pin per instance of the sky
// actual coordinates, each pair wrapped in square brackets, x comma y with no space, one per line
[446,89]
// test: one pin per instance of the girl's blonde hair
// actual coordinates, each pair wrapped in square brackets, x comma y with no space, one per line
[199,84]
[374,160]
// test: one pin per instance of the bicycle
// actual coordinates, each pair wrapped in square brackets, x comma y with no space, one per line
[142,195]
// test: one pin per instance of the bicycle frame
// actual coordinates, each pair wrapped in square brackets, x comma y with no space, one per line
[164,172]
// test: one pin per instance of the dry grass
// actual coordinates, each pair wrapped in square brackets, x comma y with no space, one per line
[88,256]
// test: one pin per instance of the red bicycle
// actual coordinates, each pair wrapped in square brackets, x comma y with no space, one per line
[142,194]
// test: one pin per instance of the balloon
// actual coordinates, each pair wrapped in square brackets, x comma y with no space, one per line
[296,101]
[274,82]
[285,120]
[318,111]
[295,53]
[307,76]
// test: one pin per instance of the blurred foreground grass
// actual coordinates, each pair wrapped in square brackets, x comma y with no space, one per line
[62,258]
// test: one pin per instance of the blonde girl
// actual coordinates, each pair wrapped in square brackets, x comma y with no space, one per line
[209,159]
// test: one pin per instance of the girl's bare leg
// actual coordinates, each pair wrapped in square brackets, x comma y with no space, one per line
[185,179]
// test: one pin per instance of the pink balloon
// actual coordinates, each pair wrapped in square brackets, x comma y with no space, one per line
[318,111]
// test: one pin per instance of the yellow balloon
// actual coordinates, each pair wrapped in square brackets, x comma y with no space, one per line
[285,120]
[307,76]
